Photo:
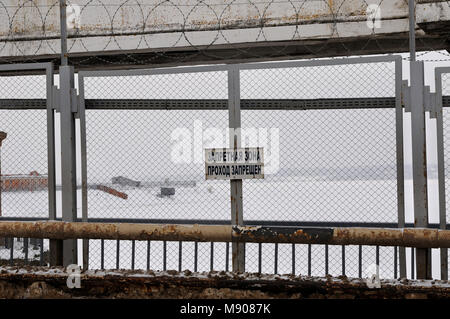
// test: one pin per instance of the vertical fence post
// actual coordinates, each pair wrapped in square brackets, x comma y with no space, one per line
[55,245]
[68,159]
[423,260]
[234,110]
[423,255]
[68,149]
[399,95]
[84,200]
[63,26]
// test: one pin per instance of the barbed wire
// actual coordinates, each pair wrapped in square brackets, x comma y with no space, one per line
[174,31]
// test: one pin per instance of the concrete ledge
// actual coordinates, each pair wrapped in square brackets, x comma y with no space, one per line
[40,282]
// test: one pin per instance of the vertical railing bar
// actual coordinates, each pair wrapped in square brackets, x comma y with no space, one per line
[293,259]
[234,121]
[412,263]
[227,256]
[399,109]
[41,255]
[148,254]
[275,270]
[180,255]
[25,247]
[11,251]
[102,254]
[195,256]
[211,266]
[133,252]
[309,259]
[395,262]
[164,255]
[259,257]
[343,260]
[117,254]
[377,255]
[326,260]
[360,261]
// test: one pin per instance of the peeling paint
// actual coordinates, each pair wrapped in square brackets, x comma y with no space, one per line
[410,237]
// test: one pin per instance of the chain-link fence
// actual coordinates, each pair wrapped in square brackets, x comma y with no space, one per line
[331,164]
[338,163]
[24,172]
[446,121]
[330,143]
[152,158]
[24,163]
[330,133]
[144,162]
[445,93]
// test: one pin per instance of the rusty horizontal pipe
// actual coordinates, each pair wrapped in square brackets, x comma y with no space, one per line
[407,237]
[124,231]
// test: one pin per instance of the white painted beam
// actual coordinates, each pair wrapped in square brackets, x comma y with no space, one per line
[30,28]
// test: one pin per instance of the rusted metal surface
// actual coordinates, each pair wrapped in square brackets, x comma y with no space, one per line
[125,231]
[31,182]
[38,282]
[410,237]
[112,191]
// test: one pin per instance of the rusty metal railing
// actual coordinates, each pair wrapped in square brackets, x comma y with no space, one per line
[342,236]
[406,237]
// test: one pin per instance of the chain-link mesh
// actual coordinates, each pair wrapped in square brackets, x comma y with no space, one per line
[446,137]
[446,127]
[24,165]
[142,153]
[322,165]
[149,164]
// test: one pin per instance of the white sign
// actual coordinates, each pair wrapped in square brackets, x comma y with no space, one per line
[228,163]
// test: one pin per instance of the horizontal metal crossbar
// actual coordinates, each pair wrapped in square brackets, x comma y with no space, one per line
[216,104]
[23,104]
[407,237]
[246,104]
[211,104]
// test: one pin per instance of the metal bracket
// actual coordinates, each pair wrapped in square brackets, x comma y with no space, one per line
[427,107]
[434,105]
[429,99]
[74,100]
[430,102]
[406,96]
[55,98]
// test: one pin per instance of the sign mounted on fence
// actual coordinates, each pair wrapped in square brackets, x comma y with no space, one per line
[228,163]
